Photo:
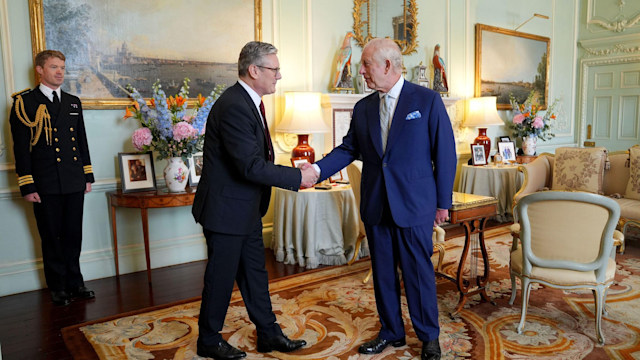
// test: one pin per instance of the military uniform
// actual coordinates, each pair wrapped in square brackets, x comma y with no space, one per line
[52,159]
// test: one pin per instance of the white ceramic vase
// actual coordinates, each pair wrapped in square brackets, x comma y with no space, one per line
[176,174]
[529,144]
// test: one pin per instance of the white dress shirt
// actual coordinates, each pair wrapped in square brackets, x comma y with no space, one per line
[48,92]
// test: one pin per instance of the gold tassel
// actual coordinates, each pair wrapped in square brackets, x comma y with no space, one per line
[42,118]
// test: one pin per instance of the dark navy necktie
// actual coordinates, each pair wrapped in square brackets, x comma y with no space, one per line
[266,131]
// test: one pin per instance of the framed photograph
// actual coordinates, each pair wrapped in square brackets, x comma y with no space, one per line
[505,139]
[110,44]
[195,168]
[336,177]
[477,155]
[508,151]
[511,62]
[136,171]
[297,162]
[341,123]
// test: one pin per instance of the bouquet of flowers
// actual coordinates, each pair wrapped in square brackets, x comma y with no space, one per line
[168,127]
[527,120]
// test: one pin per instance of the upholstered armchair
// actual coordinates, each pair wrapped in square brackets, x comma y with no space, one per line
[583,169]
[354,171]
[565,242]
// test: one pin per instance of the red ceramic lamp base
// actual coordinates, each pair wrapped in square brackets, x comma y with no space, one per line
[303,149]
[485,141]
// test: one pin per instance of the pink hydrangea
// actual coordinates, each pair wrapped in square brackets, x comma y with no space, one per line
[141,138]
[184,130]
[537,122]
[518,119]
[188,118]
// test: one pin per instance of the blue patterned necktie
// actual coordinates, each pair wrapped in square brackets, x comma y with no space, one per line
[385,118]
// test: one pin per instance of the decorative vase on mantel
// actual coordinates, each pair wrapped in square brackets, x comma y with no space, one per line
[529,144]
[176,174]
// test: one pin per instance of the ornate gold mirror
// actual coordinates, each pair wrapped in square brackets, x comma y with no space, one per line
[392,19]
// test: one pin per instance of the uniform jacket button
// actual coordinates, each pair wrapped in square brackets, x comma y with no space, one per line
[71,129]
[73,139]
[75,158]
[74,148]
[57,149]
[55,139]
[58,160]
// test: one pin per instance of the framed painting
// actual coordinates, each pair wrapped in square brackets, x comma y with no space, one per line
[508,151]
[136,171]
[112,44]
[511,62]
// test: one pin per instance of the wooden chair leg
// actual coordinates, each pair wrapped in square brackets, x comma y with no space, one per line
[366,278]
[357,249]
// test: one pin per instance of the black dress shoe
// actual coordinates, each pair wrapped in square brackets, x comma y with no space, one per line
[60,298]
[376,345]
[220,351]
[431,350]
[82,293]
[280,343]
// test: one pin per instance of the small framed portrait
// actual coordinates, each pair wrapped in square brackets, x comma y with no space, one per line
[136,171]
[508,151]
[297,162]
[505,138]
[477,155]
[336,177]
[195,168]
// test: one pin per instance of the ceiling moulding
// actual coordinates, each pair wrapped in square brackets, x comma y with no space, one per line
[613,50]
[618,24]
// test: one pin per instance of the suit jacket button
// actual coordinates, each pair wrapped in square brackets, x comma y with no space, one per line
[74,148]
[384,164]
[58,160]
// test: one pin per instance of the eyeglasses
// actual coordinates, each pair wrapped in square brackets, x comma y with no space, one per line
[275,70]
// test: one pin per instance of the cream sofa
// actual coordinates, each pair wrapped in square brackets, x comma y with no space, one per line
[538,175]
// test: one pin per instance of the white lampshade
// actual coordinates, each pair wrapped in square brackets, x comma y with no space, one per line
[302,114]
[481,112]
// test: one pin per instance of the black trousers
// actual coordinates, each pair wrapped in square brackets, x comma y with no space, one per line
[239,258]
[59,220]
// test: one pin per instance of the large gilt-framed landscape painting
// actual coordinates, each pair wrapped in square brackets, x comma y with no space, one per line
[511,63]
[115,43]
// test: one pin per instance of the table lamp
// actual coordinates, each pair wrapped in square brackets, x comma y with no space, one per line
[302,116]
[481,112]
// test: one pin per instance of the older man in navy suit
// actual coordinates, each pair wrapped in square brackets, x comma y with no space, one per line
[404,137]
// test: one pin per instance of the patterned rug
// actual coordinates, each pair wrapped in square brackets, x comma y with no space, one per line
[334,312]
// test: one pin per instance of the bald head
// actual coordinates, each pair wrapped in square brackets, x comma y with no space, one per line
[381,64]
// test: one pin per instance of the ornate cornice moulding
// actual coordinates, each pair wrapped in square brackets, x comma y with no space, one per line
[613,50]
[618,24]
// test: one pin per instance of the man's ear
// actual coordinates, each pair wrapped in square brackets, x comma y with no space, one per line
[39,70]
[253,71]
[387,66]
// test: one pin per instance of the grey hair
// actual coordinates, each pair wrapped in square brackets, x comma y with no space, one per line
[386,49]
[252,54]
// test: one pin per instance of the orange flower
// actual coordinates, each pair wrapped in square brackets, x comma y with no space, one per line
[201,99]
[153,102]
[527,115]
[127,113]
[179,101]
[521,107]
[170,101]
[553,116]
[533,108]
[136,105]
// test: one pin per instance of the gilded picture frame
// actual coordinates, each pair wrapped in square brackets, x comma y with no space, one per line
[119,42]
[511,62]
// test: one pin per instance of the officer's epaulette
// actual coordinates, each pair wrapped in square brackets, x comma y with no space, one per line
[20,92]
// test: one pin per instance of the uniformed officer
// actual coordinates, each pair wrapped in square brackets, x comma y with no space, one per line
[54,172]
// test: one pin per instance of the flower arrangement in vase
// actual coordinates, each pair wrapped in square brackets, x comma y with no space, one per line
[530,124]
[169,128]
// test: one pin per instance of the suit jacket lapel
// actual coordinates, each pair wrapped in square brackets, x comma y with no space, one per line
[373,119]
[257,116]
[398,121]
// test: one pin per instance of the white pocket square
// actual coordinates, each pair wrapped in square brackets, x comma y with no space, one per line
[414,115]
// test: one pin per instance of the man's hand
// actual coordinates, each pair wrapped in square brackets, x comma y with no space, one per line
[33,197]
[309,175]
[88,188]
[442,215]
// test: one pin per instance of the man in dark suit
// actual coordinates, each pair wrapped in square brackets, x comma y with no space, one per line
[54,172]
[404,137]
[232,197]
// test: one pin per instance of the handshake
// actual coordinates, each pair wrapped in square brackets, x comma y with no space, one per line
[309,176]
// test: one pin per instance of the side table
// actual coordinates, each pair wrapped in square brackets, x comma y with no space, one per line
[498,181]
[144,201]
